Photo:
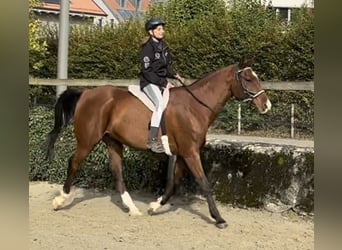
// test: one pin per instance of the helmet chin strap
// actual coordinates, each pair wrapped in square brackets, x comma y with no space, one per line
[156,38]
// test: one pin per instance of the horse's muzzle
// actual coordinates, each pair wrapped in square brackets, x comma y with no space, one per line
[267,107]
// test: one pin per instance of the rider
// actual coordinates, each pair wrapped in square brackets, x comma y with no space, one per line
[156,66]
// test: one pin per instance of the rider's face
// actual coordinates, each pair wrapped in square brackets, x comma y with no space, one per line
[158,32]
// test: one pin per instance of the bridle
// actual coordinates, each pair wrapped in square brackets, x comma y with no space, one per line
[251,94]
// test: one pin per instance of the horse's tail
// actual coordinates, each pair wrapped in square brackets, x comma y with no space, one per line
[64,113]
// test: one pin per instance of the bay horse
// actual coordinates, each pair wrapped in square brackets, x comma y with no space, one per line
[115,116]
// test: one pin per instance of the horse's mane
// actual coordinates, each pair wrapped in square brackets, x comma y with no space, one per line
[209,75]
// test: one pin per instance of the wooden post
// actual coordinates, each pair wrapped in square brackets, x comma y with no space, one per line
[239,119]
[292,120]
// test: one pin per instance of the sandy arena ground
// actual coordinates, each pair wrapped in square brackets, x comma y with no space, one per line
[97,220]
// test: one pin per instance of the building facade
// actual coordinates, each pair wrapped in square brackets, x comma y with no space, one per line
[284,8]
[99,12]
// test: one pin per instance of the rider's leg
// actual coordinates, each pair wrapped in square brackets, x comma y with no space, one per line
[154,93]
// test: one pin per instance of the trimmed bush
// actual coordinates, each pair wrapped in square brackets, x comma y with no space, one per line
[240,176]
[140,169]
[277,122]
[203,36]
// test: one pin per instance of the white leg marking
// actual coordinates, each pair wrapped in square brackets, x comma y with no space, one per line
[127,201]
[63,199]
[154,206]
[166,145]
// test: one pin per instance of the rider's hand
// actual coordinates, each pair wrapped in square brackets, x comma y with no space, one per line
[179,78]
[169,85]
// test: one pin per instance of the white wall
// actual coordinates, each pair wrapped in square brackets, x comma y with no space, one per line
[281,3]
[109,17]
[291,3]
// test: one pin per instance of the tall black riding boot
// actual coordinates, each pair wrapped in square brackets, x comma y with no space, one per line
[153,142]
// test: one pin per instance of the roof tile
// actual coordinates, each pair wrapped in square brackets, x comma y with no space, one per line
[81,6]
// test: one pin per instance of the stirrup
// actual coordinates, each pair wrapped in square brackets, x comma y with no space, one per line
[155,146]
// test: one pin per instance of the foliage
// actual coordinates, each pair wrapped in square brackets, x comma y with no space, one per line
[38,50]
[265,173]
[203,36]
[37,45]
[298,47]
[106,52]
[277,122]
[95,171]
[257,33]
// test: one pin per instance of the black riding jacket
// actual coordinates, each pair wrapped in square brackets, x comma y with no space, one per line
[156,65]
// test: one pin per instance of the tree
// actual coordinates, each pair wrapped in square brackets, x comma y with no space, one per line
[37,43]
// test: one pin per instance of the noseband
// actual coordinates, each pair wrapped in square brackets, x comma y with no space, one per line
[251,94]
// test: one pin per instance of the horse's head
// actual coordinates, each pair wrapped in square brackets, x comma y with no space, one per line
[247,87]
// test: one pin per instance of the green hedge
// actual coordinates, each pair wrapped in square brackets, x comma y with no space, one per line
[252,175]
[203,35]
[277,122]
[141,170]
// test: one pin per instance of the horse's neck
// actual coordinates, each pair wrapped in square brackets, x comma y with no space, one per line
[214,90]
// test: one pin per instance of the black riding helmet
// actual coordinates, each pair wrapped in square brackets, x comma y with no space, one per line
[153,23]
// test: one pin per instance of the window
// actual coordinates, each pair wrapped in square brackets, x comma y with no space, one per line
[138,4]
[52,1]
[122,3]
[283,12]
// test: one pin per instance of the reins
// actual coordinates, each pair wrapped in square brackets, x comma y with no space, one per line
[251,95]
[195,97]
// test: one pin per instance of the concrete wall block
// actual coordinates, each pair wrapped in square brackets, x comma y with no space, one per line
[276,177]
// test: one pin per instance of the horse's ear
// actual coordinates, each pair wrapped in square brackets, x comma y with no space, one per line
[245,63]
[242,63]
[249,62]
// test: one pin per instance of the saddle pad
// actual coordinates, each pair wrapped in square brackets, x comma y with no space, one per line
[135,90]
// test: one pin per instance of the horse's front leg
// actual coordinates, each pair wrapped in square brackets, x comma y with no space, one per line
[193,162]
[115,153]
[174,173]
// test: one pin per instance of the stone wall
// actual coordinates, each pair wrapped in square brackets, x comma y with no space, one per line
[254,174]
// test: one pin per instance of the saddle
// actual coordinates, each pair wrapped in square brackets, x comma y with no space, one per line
[138,93]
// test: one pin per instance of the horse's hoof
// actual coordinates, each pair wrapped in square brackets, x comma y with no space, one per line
[55,206]
[150,211]
[135,213]
[57,203]
[221,225]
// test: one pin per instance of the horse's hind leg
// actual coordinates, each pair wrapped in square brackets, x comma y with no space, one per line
[115,153]
[175,173]
[67,194]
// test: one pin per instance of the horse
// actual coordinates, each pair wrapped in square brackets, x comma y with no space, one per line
[116,117]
